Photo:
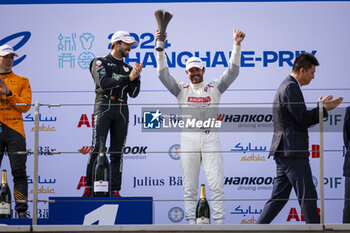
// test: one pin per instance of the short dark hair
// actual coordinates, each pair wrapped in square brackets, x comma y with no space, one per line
[305,60]
[113,45]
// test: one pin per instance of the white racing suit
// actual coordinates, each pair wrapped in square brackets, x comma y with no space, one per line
[201,101]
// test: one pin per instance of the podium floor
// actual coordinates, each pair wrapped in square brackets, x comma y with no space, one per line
[328,228]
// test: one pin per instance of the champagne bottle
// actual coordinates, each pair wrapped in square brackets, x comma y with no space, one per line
[5,197]
[101,173]
[203,210]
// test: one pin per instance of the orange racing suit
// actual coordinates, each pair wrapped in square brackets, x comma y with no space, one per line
[12,137]
[10,114]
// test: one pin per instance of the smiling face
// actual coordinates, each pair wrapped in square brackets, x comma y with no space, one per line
[195,74]
[6,63]
[121,49]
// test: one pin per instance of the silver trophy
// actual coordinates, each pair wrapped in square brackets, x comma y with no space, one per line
[163,17]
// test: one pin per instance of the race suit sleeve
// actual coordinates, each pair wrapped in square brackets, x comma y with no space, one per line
[24,97]
[134,87]
[232,71]
[103,79]
[171,83]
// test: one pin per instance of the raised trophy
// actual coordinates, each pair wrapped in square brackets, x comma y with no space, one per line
[163,17]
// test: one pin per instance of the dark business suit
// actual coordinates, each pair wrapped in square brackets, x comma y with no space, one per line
[289,147]
[346,167]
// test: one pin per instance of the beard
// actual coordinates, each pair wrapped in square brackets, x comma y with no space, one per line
[125,53]
[196,79]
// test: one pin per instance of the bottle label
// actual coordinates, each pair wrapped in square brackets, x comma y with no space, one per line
[202,220]
[5,208]
[101,186]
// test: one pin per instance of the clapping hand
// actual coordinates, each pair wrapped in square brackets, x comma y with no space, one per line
[329,103]
[136,71]
[4,89]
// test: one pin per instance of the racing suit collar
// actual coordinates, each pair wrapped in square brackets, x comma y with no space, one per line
[5,74]
[114,58]
[198,85]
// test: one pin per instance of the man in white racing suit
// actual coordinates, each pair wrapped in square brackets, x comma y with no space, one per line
[200,100]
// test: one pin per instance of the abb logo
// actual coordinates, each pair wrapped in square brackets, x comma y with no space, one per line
[82,182]
[293,214]
[315,151]
[85,121]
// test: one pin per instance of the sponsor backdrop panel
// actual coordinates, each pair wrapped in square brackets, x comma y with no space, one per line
[57,45]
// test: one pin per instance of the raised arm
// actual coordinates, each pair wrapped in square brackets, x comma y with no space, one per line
[170,82]
[232,71]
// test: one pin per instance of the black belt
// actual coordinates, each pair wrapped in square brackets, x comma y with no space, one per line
[115,98]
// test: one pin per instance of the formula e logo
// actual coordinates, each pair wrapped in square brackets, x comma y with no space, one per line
[25,37]
[152,120]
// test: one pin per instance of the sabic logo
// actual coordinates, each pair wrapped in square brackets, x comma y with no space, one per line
[293,214]
[43,190]
[44,128]
[253,157]
[249,221]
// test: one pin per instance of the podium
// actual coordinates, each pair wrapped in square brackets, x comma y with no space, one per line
[94,211]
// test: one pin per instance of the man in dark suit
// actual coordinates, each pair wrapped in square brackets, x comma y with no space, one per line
[290,142]
[346,167]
